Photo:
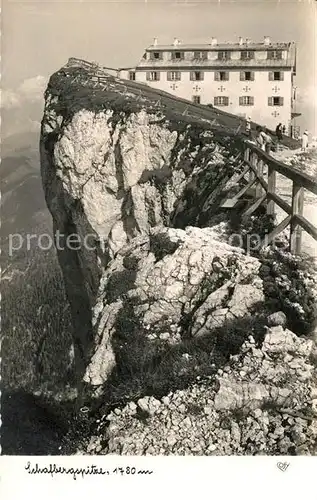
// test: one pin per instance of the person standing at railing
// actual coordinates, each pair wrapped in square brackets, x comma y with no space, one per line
[279,135]
[268,144]
[263,140]
[267,141]
[279,132]
[248,126]
[305,140]
[259,139]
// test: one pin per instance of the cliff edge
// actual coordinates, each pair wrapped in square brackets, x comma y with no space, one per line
[160,298]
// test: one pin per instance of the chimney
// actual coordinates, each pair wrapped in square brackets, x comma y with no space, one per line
[214,41]
[267,40]
[176,42]
[155,42]
[240,40]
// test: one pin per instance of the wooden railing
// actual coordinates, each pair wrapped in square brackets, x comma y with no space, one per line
[262,181]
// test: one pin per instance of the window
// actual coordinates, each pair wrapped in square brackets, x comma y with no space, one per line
[276,75]
[144,55]
[247,75]
[178,56]
[172,76]
[196,99]
[221,101]
[153,76]
[246,100]
[274,54]
[224,55]
[156,56]
[223,76]
[247,55]
[200,55]
[196,75]
[275,101]
[131,75]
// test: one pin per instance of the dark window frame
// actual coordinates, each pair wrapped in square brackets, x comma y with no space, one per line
[246,100]
[154,54]
[181,55]
[201,55]
[193,76]
[225,55]
[176,72]
[196,99]
[218,100]
[247,55]
[275,54]
[148,76]
[276,101]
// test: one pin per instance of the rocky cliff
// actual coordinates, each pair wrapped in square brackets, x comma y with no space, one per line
[134,179]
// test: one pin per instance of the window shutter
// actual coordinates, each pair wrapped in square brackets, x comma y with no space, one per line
[252,76]
[201,75]
[271,75]
[157,76]
[227,76]
[169,76]
[242,75]
[281,101]
[240,101]
[148,75]
[226,101]
[192,75]
[251,101]
[282,75]
[217,75]
[270,101]
[215,101]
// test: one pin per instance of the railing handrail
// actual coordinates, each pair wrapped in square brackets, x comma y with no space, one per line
[306,181]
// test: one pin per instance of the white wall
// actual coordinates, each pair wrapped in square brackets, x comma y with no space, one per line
[261,88]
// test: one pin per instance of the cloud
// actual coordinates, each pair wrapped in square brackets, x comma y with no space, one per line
[30,90]
[307,96]
[9,99]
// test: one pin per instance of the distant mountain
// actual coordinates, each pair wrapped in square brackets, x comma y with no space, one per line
[35,317]
[22,202]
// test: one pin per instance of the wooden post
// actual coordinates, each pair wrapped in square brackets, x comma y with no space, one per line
[271,184]
[253,160]
[259,169]
[297,209]
[247,154]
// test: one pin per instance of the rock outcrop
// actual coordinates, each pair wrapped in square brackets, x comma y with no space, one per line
[159,297]
[113,168]
[253,410]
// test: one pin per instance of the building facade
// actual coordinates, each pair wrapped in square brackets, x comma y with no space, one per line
[243,78]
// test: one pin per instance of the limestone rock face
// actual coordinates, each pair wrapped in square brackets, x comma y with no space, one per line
[112,171]
[162,279]
[170,321]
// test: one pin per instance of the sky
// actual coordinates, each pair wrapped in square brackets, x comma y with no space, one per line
[38,37]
